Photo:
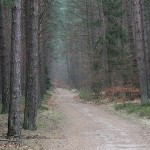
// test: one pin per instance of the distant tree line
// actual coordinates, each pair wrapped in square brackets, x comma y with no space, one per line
[108,45]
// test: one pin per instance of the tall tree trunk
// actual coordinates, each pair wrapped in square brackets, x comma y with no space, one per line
[145,25]
[42,87]
[140,53]
[32,79]
[105,65]
[129,6]
[15,84]
[23,54]
[68,66]
[4,63]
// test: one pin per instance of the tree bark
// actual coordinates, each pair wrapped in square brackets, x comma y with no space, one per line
[140,51]
[105,66]
[144,13]
[5,63]
[129,6]
[15,84]
[32,79]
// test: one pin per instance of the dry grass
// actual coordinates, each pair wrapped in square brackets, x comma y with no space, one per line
[49,119]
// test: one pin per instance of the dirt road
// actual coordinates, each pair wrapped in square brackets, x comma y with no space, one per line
[91,127]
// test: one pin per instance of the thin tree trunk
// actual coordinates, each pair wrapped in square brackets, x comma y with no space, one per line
[144,20]
[23,54]
[4,63]
[140,53]
[42,76]
[68,66]
[105,65]
[15,84]
[131,39]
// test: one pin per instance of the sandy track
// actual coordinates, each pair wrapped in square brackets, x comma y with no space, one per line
[91,127]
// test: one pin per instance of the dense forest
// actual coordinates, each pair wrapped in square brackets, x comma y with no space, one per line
[102,46]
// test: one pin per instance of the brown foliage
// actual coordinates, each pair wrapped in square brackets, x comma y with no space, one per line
[121,93]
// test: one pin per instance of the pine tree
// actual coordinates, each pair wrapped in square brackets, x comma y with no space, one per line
[32,74]
[14,129]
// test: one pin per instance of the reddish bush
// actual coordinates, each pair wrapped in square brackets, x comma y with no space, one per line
[121,93]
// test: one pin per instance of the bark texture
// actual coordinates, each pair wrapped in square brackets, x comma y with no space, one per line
[4,63]
[131,39]
[15,85]
[140,53]
[32,79]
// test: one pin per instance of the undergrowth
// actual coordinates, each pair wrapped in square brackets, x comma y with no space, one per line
[89,96]
[86,95]
[47,95]
[49,120]
[0,106]
[43,108]
[140,110]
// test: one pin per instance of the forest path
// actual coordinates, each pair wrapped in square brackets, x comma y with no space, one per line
[90,127]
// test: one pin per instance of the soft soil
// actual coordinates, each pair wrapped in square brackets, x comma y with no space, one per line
[72,125]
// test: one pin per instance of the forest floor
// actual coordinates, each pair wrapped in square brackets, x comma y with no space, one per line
[72,125]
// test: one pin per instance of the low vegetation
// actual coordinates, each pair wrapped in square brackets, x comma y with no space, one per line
[140,110]
[48,94]
[123,93]
[49,119]
[123,99]
[86,95]
[0,107]
[89,96]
